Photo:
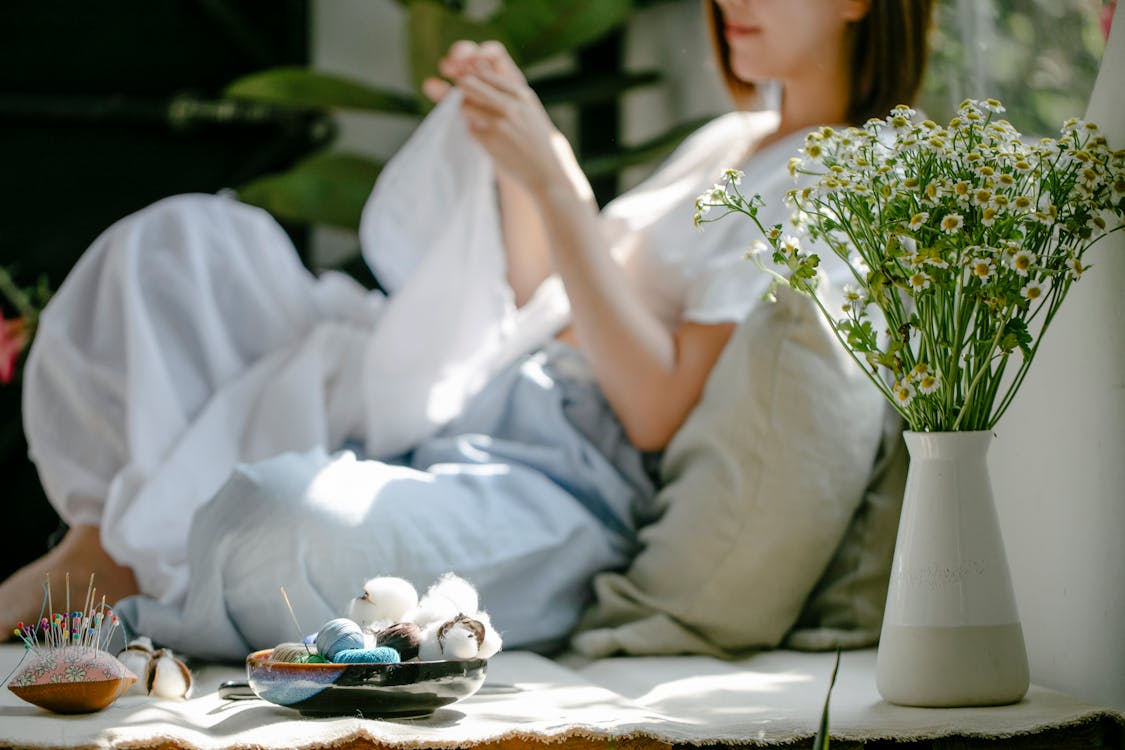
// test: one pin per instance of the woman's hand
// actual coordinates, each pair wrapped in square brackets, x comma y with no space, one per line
[504,115]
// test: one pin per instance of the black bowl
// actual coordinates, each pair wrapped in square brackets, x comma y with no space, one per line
[375,691]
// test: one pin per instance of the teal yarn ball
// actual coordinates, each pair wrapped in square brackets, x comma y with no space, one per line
[338,635]
[377,655]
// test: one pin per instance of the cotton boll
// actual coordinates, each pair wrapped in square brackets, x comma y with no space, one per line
[135,657]
[491,643]
[429,646]
[461,639]
[385,600]
[168,677]
[448,597]
[458,638]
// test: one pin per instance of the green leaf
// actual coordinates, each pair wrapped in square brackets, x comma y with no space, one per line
[538,29]
[583,88]
[299,87]
[432,28]
[643,153]
[327,189]
[821,741]
[1015,334]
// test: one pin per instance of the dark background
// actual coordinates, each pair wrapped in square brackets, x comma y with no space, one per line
[106,107]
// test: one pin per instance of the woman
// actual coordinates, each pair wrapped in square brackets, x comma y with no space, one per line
[541,480]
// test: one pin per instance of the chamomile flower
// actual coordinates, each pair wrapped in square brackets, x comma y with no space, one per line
[952,223]
[920,280]
[928,384]
[854,300]
[734,176]
[1074,265]
[1032,290]
[981,268]
[992,105]
[790,245]
[988,216]
[903,393]
[918,371]
[1021,261]
[982,197]
[918,220]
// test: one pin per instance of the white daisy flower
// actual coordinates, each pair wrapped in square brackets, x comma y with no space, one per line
[734,175]
[1074,265]
[918,219]
[981,268]
[928,384]
[919,280]
[1032,290]
[1022,261]
[903,393]
[790,245]
[952,223]
[757,247]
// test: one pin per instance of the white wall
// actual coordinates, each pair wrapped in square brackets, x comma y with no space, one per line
[1058,464]
[1059,459]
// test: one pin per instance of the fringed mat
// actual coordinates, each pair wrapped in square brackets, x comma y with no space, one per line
[774,698]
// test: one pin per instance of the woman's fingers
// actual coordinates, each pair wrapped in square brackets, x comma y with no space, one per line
[435,89]
[501,62]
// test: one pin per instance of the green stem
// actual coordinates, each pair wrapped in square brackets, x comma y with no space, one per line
[17,296]
[979,376]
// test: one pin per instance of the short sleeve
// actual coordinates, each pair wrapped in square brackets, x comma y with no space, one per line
[727,287]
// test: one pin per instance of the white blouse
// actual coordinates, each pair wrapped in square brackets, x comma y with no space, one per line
[685,273]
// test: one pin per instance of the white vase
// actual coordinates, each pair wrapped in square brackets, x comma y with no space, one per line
[951,634]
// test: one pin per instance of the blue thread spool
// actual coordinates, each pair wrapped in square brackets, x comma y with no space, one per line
[377,655]
[338,635]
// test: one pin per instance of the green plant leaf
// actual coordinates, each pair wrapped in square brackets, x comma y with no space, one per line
[583,88]
[432,28]
[329,188]
[643,153]
[299,87]
[537,29]
[821,741]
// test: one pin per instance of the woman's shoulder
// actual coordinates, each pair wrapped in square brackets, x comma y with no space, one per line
[731,134]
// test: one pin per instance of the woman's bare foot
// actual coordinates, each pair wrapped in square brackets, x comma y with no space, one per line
[80,553]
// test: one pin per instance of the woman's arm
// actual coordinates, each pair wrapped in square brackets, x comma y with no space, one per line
[525,239]
[651,377]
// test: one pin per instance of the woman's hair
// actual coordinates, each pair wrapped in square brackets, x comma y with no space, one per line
[889,50]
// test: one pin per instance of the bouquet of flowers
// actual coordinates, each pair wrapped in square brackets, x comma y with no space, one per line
[958,236]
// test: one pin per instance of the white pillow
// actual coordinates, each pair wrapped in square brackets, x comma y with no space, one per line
[760,485]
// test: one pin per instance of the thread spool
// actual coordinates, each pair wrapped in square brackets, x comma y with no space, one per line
[377,655]
[295,653]
[338,635]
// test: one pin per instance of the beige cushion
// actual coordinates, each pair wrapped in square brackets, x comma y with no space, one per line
[761,483]
[845,608]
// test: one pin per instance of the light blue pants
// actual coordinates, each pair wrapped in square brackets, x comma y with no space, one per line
[528,494]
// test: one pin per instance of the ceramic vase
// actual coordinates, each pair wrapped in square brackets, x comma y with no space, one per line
[951,633]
